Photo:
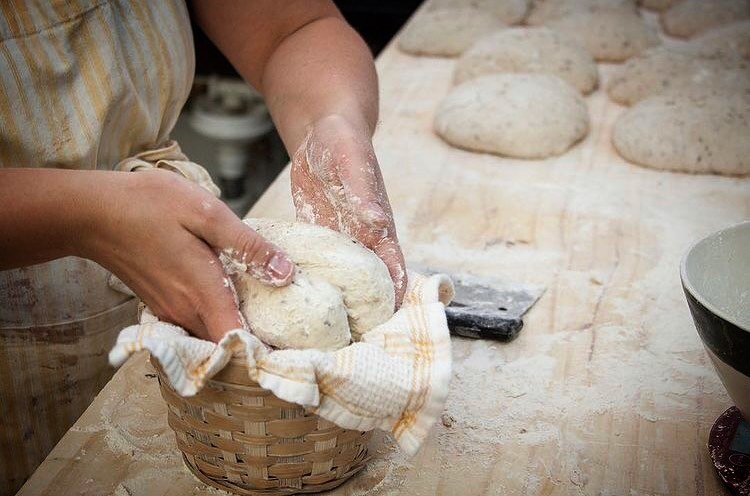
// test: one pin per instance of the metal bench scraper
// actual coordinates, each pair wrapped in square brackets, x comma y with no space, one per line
[485,307]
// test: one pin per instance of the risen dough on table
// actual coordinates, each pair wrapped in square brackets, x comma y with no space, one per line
[548,10]
[518,115]
[341,289]
[673,72]
[705,134]
[691,17]
[508,11]
[610,34]
[530,50]
[446,32]
[730,39]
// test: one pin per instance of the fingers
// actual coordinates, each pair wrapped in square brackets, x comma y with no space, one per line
[390,253]
[310,202]
[241,246]
[217,308]
[337,183]
[188,288]
[209,310]
[363,187]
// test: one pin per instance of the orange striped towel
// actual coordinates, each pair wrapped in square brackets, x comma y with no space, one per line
[395,378]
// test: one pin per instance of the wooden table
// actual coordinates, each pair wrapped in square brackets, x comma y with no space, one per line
[606,391]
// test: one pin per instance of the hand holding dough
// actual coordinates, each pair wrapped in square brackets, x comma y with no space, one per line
[341,289]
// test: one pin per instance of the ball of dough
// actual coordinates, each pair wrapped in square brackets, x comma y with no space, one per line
[707,134]
[730,40]
[518,115]
[548,10]
[672,72]
[446,32]
[691,17]
[609,34]
[530,50]
[309,313]
[362,298]
[508,11]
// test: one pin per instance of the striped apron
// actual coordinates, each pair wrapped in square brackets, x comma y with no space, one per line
[83,85]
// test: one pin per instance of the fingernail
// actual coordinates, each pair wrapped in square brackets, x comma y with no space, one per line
[279,267]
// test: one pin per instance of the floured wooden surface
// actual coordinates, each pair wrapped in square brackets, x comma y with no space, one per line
[607,390]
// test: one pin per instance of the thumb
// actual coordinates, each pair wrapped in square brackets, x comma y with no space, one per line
[243,248]
[261,259]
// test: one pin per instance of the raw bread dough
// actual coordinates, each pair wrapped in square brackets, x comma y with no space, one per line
[657,5]
[707,134]
[518,115]
[508,11]
[672,72]
[341,289]
[731,39]
[309,313]
[548,10]
[530,50]
[610,34]
[691,17]
[446,32]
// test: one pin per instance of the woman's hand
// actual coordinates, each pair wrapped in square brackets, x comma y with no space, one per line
[336,182]
[319,82]
[160,234]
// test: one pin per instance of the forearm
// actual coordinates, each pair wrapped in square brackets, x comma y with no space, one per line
[44,213]
[311,65]
[320,70]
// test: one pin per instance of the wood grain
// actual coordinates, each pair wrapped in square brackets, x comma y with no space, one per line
[606,391]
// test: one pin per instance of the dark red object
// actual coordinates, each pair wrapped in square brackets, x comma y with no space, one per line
[729,446]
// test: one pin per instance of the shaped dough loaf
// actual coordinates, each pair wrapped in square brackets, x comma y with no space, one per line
[446,32]
[508,11]
[341,289]
[530,50]
[691,17]
[610,34]
[544,11]
[662,71]
[730,39]
[516,115]
[698,134]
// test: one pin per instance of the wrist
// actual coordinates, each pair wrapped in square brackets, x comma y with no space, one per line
[349,122]
[93,196]
[337,126]
[47,213]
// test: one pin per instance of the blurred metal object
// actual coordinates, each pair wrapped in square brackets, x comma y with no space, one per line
[233,115]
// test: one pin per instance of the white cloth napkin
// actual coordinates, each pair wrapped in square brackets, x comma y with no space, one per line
[396,378]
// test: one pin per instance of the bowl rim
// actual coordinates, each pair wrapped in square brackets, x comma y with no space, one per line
[688,286]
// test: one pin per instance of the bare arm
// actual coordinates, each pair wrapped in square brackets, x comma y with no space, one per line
[319,81]
[41,215]
[302,55]
[158,232]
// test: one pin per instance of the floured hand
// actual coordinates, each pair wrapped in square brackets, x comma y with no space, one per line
[162,236]
[336,183]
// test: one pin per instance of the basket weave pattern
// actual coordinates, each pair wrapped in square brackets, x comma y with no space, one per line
[239,437]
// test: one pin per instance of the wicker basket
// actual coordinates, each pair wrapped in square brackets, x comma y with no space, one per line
[239,437]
